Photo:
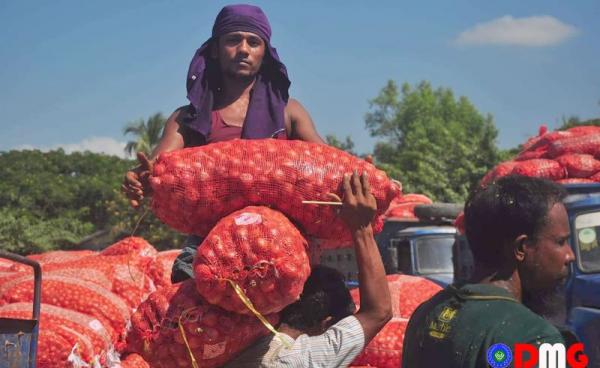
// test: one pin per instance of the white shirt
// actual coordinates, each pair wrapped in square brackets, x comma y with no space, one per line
[337,347]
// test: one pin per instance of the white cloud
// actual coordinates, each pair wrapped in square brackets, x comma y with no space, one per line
[537,31]
[105,145]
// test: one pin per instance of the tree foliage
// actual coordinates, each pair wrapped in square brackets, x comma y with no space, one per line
[345,145]
[434,143]
[147,134]
[52,200]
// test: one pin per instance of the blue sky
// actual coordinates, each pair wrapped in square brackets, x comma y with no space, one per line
[74,72]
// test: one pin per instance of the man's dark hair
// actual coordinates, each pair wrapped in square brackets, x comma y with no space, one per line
[512,206]
[325,294]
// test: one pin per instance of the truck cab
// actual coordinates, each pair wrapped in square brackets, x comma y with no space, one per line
[421,251]
[583,285]
[412,246]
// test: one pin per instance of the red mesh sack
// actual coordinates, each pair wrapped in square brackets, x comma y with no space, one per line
[60,256]
[10,266]
[74,294]
[407,293]
[160,271]
[585,143]
[403,206]
[540,168]
[134,245]
[195,187]
[5,265]
[502,169]
[133,361]
[260,250]
[213,335]
[65,333]
[127,276]
[579,165]
[595,178]
[90,275]
[385,350]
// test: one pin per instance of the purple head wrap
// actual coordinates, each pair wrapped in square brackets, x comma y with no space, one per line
[269,96]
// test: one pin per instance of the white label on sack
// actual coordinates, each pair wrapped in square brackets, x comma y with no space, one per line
[248,218]
[96,325]
[213,351]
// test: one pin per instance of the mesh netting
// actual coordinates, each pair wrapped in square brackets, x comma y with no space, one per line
[585,143]
[260,250]
[134,361]
[579,165]
[567,157]
[62,333]
[502,169]
[127,274]
[212,335]
[540,168]
[74,294]
[195,187]
[60,256]
[407,293]
[403,206]
[160,271]
[385,350]
[131,245]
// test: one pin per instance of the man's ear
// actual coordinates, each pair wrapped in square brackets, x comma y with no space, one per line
[519,248]
[326,323]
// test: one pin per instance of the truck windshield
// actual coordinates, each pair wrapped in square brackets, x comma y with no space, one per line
[434,254]
[587,229]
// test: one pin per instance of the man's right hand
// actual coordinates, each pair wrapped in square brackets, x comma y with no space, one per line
[136,185]
[359,204]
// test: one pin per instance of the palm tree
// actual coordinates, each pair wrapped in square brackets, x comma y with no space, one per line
[147,134]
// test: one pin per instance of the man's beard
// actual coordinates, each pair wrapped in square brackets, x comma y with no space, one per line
[244,78]
[551,304]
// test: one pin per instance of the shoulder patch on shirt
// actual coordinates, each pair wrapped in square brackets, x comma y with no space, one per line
[440,327]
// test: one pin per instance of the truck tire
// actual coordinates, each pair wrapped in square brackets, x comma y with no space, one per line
[438,210]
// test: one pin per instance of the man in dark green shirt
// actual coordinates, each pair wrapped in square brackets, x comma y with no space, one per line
[518,231]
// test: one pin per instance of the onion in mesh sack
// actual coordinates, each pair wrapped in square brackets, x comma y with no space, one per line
[261,251]
[195,187]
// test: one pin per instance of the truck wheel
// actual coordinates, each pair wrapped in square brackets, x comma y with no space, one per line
[438,210]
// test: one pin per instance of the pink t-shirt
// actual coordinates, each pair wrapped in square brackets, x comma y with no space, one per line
[221,131]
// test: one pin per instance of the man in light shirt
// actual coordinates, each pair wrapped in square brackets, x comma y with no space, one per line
[319,330]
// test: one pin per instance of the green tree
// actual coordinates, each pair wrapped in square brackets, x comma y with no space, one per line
[346,145]
[147,134]
[52,200]
[434,143]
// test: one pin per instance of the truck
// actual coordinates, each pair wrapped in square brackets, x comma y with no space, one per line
[581,310]
[420,246]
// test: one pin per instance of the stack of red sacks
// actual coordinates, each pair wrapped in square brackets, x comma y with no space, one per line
[407,293]
[253,261]
[252,264]
[569,156]
[87,300]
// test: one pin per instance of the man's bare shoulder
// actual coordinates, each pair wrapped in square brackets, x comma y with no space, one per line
[294,105]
